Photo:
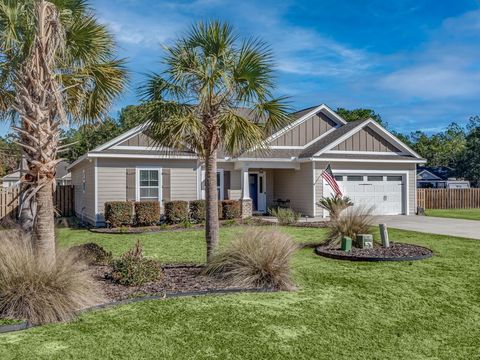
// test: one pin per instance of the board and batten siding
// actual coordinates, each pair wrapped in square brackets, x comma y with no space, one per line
[305,132]
[84,201]
[296,186]
[357,169]
[366,139]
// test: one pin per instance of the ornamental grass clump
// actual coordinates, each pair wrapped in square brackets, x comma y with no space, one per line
[92,254]
[133,269]
[39,292]
[350,223]
[285,216]
[258,258]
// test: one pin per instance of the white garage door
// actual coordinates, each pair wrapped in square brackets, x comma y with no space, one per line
[382,192]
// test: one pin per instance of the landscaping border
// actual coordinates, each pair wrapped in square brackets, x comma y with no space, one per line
[24,325]
[373,259]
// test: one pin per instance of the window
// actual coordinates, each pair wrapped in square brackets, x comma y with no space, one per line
[219,184]
[354,178]
[84,182]
[375,178]
[394,178]
[339,178]
[149,184]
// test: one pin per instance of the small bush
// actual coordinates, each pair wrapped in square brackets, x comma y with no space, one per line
[92,254]
[335,204]
[258,258]
[118,213]
[176,211]
[350,222]
[40,292]
[197,210]
[231,209]
[147,213]
[285,216]
[134,269]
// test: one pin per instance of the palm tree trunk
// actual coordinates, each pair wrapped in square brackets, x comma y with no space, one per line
[44,240]
[211,197]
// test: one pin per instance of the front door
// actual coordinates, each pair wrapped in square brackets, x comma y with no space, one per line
[253,187]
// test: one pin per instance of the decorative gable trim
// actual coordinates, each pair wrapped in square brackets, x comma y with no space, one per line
[123,137]
[333,116]
[405,149]
[433,176]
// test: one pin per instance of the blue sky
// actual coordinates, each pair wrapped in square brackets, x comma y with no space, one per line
[417,63]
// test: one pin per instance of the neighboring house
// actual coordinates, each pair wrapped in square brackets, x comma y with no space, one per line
[372,166]
[439,177]
[63,176]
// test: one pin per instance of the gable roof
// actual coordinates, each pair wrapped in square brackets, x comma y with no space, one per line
[438,172]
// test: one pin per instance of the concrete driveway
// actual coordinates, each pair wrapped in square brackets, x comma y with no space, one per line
[433,225]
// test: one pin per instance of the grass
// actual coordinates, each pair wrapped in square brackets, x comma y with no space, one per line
[469,214]
[342,310]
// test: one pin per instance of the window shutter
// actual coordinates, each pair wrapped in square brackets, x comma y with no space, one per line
[226,184]
[166,191]
[131,189]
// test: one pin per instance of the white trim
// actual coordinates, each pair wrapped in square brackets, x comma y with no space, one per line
[314,190]
[356,129]
[222,183]
[405,173]
[392,161]
[264,176]
[337,118]
[137,181]
[220,187]
[95,176]
[122,137]
[392,153]
[141,156]
[435,177]
[145,148]
[199,180]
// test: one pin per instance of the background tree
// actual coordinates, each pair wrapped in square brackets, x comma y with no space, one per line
[57,64]
[195,103]
[360,114]
[9,155]
[469,164]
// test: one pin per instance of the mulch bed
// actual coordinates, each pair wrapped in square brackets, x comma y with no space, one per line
[176,278]
[396,252]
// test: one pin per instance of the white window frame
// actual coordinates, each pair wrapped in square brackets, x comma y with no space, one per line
[220,187]
[84,182]
[137,181]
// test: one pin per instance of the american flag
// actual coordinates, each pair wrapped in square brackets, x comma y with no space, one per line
[327,174]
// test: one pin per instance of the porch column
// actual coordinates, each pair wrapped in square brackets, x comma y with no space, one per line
[245,184]
[246,202]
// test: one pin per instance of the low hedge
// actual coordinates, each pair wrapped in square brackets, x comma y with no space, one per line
[147,213]
[197,210]
[118,213]
[231,209]
[176,211]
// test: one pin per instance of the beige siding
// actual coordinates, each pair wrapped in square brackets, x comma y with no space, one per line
[307,131]
[358,167]
[297,186]
[183,183]
[366,139]
[84,201]
[111,184]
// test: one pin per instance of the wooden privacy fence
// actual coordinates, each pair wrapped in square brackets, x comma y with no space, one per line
[448,198]
[63,200]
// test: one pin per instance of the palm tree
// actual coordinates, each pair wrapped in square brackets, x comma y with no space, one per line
[57,65]
[215,93]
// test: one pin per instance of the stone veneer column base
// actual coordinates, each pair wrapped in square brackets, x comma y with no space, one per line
[247,210]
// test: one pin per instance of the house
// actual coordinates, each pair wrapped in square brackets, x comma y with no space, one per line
[439,177]
[62,175]
[372,166]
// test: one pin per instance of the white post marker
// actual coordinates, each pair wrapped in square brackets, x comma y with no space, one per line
[384,235]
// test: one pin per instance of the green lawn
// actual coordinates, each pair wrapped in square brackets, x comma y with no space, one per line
[342,310]
[469,214]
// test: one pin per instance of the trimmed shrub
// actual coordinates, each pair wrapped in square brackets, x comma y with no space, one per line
[134,269]
[258,258]
[231,209]
[119,213]
[197,210]
[285,216]
[351,222]
[40,292]
[147,213]
[176,211]
[92,254]
[335,204]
